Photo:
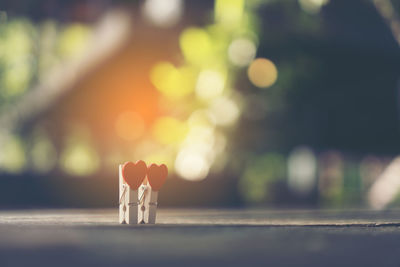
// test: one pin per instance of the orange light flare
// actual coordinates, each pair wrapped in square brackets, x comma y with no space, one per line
[118,97]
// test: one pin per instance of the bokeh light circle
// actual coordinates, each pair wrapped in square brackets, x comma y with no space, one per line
[312,6]
[163,13]
[225,111]
[196,45]
[241,52]
[210,84]
[169,130]
[79,158]
[191,165]
[262,73]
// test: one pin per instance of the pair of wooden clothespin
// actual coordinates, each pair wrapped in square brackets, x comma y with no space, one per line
[138,191]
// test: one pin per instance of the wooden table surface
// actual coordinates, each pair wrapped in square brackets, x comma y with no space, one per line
[195,237]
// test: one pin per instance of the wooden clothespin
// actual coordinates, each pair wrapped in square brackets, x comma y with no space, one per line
[156,176]
[131,176]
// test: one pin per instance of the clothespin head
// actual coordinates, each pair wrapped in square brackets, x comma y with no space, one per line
[134,173]
[156,175]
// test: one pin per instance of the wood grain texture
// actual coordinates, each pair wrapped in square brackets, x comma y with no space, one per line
[194,237]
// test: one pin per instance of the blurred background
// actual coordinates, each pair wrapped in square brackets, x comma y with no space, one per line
[257,103]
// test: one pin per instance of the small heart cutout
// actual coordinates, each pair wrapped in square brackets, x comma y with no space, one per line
[134,173]
[157,176]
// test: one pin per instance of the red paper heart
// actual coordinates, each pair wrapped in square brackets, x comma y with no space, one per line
[157,176]
[134,173]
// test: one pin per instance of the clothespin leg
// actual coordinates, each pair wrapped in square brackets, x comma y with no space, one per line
[122,198]
[132,207]
[142,207]
[151,205]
